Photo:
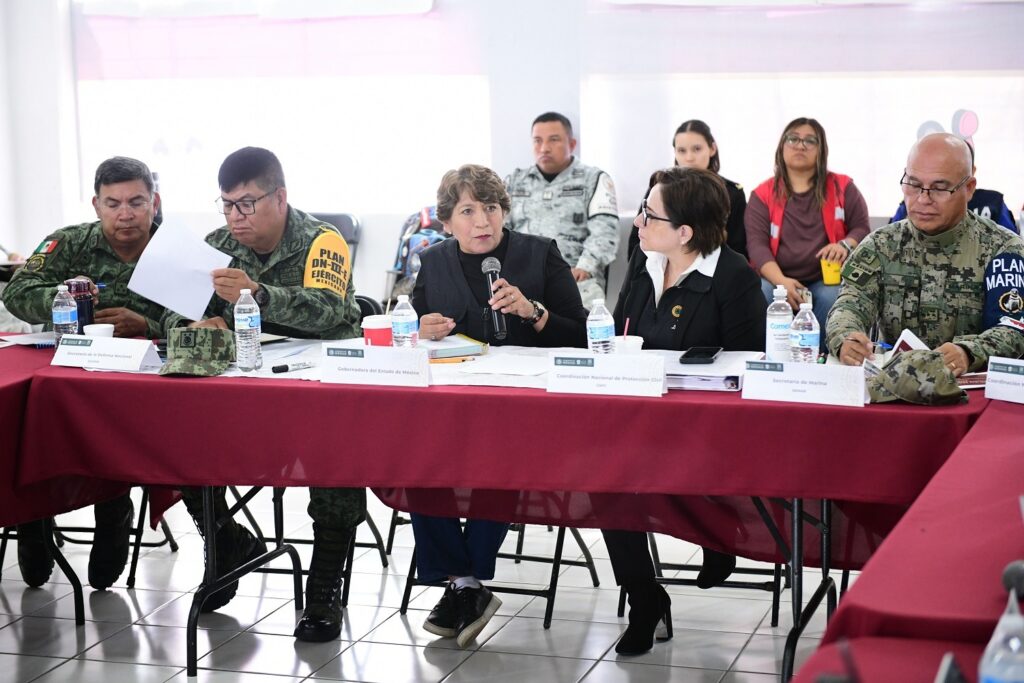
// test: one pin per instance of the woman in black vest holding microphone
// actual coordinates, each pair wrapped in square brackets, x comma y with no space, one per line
[535,298]
[684,287]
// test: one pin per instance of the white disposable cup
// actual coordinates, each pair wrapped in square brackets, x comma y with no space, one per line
[628,344]
[98,330]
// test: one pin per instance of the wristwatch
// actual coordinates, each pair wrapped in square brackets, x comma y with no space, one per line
[538,313]
[262,297]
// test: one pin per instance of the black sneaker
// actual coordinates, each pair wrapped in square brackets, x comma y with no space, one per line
[111,542]
[34,558]
[474,607]
[443,617]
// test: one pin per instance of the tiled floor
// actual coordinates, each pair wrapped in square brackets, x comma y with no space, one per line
[139,635]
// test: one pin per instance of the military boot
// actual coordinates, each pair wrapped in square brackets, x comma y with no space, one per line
[34,557]
[111,541]
[321,620]
[236,545]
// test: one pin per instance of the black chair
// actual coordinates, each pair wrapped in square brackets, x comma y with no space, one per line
[61,537]
[368,306]
[547,593]
[775,585]
[349,226]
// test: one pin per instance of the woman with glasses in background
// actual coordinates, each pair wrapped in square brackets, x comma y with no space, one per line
[684,287]
[804,214]
[694,147]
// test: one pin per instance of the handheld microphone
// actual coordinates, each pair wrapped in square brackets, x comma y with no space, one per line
[1013,577]
[491,268]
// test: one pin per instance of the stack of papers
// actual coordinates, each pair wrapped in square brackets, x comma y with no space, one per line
[725,374]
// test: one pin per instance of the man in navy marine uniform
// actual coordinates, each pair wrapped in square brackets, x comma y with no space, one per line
[569,202]
[104,251]
[299,271]
[944,273]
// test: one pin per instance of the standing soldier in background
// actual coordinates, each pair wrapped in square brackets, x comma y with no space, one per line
[299,271]
[104,251]
[571,203]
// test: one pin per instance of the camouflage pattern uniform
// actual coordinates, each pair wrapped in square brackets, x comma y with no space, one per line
[577,209]
[64,254]
[932,285]
[295,311]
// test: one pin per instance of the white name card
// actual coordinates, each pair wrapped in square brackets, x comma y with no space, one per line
[1005,379]
[833,385]
[106,353]
[383,365]
[607,374]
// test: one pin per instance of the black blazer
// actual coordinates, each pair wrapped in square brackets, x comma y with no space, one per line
[727,310]
[531,263]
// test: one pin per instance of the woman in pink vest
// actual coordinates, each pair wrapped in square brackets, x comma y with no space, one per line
[803,214]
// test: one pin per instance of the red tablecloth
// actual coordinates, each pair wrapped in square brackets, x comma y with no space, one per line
[54,494]
[606,450]
[937,576]
[892,659]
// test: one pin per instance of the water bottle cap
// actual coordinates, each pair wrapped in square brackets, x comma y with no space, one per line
[62,288]
[805,307]
[780,291]
[599,302]
[403,298]
[245,291]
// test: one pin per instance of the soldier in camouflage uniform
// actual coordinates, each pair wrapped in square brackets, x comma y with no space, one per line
[302,292]
[571,203]
[104,251]
[927,273]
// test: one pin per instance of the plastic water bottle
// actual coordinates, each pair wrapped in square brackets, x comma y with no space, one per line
[1003,661]
[405,326]
[65,314]
[776,334]
[804,336]
[247,333]
[600,329]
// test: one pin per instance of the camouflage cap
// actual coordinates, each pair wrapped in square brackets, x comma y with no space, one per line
[198,351]
[917,376]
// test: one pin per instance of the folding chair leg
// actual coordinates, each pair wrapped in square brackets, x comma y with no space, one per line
[586,556]
[137,543]
[168,535]
[556,564]
[3,549]
[776,593]
[347,573]
[248,515]
[378,541]
[655,555]
[410,579]
[845,582]
[519,542]
[391,532]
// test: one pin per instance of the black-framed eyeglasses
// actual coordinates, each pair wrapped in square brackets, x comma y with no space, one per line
[794,140]
[648,216]
[246,207]
[915,190]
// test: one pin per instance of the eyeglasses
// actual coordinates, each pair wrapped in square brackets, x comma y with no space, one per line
[794,140]
[246,207]
[134,206]
[648,216]
[915,190]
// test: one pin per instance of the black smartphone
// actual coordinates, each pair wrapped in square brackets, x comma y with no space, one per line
[700,354]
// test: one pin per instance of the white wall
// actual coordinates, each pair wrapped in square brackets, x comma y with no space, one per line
[367,114]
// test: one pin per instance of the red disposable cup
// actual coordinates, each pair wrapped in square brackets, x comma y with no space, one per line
[377,330]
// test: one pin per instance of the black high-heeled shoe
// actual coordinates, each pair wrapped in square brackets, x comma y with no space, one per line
[649,608]
[715,569]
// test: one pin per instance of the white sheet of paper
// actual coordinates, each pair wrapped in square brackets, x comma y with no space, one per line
[33,339]
[174,271]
